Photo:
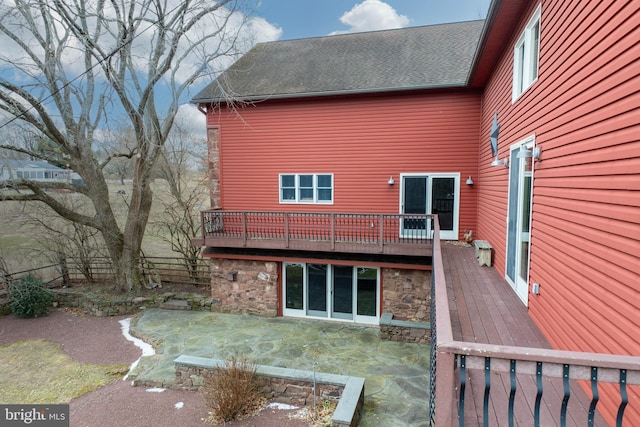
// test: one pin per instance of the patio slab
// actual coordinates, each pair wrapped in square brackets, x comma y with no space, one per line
[396,374]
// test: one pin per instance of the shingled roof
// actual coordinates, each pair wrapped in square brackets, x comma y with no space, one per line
[408,58]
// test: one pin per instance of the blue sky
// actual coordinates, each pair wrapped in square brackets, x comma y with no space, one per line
[314,18]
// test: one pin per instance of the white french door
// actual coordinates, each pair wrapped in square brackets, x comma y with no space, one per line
[437,193]
[519,219]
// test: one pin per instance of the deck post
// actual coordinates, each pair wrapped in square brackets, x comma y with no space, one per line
[381,232]
[445,387]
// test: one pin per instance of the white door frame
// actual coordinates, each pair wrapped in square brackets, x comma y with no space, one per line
[304,312]
[518,232]
[444,234]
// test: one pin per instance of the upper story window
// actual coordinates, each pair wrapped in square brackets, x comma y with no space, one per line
[306,188]
[525,56]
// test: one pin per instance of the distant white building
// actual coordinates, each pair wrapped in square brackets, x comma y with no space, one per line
[36,170]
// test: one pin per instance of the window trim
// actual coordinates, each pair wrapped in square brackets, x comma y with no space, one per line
[526,60]
[297,187]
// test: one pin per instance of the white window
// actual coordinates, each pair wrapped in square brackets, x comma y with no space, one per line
[525,56]
[306,188]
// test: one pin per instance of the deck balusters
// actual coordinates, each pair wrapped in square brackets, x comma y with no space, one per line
[432,355]
[536,409]
[595,397]
[512,391]
[487,391]
[566,396]
[463,386]
[624,398]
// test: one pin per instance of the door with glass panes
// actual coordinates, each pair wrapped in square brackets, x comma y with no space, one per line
[436,193]
[341,292]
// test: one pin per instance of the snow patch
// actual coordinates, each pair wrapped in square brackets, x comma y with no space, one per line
[281,406]
[179,405]
[155,390]
[147,349]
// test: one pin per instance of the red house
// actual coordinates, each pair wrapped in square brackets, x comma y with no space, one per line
[335,153]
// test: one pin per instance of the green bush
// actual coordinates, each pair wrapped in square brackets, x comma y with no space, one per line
[29,297]
[231,392]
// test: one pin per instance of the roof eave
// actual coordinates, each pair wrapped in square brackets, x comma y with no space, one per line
[502,17]
[256,98]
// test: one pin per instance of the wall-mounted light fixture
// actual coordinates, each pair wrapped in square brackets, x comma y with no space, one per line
[391,181]
[469,181]
[525,153]
[497,162]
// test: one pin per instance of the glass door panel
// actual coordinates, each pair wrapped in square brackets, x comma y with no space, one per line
[519,220]
[317,290]
[294,286]
[342,292]
[414,201]
[442,201]
[367,292]
[525,220]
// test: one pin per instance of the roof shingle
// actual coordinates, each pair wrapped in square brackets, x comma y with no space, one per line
[407,58]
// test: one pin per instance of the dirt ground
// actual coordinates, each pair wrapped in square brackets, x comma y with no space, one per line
[100,340]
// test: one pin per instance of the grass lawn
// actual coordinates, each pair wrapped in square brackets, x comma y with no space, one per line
[38,372]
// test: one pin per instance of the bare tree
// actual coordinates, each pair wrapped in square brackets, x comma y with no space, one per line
[180,169]
[78,66]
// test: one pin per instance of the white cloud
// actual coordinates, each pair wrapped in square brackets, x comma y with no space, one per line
[372,15]
[192,120]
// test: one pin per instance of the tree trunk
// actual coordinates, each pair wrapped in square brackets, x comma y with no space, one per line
[130,277]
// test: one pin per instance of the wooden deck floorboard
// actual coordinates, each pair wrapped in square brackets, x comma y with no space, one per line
[484,309]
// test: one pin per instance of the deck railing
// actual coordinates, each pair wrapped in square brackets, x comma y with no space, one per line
[381,233]
[452,361]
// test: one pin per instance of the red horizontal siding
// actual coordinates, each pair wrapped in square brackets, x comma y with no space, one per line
[585,240]
[361,141]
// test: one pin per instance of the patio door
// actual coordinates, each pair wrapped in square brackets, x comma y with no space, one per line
[430,194]
[519,219]
[340,292]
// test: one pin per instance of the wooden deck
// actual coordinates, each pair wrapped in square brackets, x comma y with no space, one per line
[484,309]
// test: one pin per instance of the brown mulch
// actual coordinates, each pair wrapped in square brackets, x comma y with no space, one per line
[100,340]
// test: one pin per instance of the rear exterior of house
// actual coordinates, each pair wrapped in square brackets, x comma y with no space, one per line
[365,149]
[567,86]
[557,86]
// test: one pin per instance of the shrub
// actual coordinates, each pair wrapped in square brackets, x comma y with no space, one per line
[29,297]
[232,391]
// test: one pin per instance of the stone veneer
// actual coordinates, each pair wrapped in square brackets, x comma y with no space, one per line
[407,294]
[240,286]
[245,286]
[286,386]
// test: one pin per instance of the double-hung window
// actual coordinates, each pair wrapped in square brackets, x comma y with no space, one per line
[525,56]
[306,188]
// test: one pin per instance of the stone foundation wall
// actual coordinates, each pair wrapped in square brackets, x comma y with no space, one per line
[407,294]
[103,306]
[283,390]
[286,386]
[404,331]
[240,286]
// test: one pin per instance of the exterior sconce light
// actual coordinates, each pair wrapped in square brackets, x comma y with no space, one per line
[469,181]
[497,162]
[525,153]
[391,181]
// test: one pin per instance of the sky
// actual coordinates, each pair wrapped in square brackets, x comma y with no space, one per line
[271,20]
[314,18]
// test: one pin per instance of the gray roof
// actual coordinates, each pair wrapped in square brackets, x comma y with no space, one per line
[408,58]
[27,164]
